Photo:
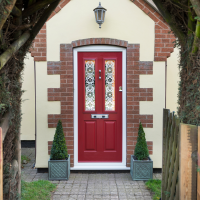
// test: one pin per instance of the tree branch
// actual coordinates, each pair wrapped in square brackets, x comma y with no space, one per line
[30,2]
[1,37]
[20,42]
[35,7]
[21,27]
[168,18]
[196,6]
[44,18]
[13,49]
[16,12]
[6,12]
[178,3]
[191,21]
[197,37]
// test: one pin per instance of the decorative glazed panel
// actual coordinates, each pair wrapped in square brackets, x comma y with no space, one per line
[110,85]
[89,85]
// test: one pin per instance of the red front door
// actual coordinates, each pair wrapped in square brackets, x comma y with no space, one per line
[99,107]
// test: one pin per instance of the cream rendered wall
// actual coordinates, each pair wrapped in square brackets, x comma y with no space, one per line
[43,108]
[155,107]
[123,20]
[28,100]
[172,81]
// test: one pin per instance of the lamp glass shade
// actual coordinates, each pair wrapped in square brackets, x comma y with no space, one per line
[99,13]
[95,13]
[104,12]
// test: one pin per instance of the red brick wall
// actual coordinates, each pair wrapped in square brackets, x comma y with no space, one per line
[163,35]
[64,94]
[164,38]
[134,94]
[39,48]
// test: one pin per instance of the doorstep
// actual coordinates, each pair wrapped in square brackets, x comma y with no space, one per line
[90,167]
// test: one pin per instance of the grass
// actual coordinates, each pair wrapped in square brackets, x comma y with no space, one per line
[23,157]
[155,187]
[37,190]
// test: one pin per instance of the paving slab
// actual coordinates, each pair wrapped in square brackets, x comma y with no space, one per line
[90,186]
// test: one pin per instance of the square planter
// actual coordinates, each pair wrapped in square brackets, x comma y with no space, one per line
[59,169]
[141,169]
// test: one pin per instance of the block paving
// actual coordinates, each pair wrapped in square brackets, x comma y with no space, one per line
[85,186]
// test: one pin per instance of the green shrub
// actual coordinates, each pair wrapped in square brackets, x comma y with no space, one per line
[23,157]
[155,187]
[59,147]
[141,150]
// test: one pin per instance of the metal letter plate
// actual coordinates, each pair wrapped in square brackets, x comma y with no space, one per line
[99,116]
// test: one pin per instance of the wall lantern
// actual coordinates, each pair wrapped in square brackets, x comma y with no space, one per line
[99,13]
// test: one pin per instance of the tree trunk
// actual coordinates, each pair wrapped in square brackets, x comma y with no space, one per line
[36,7]
[13,49]
[8,8]
[196,6]
[189,86]
[43,19]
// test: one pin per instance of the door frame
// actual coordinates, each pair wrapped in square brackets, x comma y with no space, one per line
[99,165]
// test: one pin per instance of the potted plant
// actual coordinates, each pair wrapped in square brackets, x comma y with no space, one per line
[59,162]
[141,164]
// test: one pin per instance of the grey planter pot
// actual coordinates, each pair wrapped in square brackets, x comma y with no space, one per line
[59,169]
[141,169]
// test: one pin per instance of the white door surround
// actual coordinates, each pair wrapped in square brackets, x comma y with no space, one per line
[98,165]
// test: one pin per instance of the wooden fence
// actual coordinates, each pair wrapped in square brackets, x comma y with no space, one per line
[180,179]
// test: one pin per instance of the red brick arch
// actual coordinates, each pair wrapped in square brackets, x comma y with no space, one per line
[163,39]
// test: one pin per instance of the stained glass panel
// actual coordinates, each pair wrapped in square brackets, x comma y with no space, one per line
[109,85]
[89,85]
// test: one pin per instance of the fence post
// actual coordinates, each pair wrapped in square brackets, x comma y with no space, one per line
[187,162]
[198,173]
[170,165]
[165,123]
[1,165]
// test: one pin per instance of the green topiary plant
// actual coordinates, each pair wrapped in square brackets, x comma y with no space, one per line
[141,151]
[59,147]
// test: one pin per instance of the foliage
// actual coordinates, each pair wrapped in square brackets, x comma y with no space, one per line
[37,190]
[23,157]
[4,95]
[13,25]
[155,187]
[183,17]
[198,168]
[10,183]
[141,150]
[11,97]
[59,148]
[189,86]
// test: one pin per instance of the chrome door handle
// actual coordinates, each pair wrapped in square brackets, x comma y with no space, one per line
[120,88]
[99,74]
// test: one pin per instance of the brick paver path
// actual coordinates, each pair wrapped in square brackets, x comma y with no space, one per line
[91,185]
